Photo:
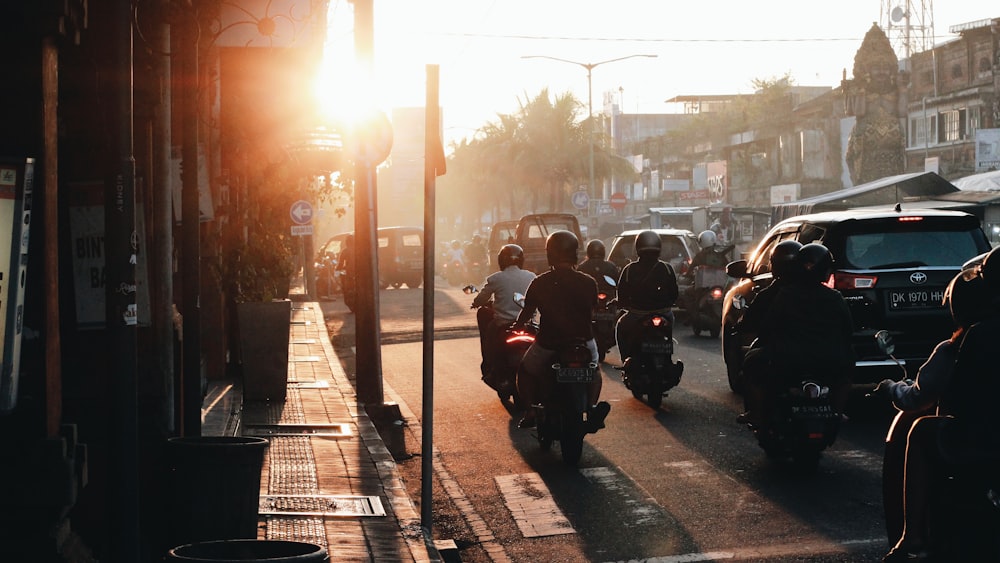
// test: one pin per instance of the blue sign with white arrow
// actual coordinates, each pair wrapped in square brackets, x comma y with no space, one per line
[301,212]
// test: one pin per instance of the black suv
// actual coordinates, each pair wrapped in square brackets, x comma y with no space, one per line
[892,267]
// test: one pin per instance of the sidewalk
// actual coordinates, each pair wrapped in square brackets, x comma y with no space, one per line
[328,478]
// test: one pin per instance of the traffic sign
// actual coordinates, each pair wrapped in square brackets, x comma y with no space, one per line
[301,212]
[618,200]
[301,230]
[580,199]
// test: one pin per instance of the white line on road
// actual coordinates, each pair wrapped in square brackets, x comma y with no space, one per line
[532,506]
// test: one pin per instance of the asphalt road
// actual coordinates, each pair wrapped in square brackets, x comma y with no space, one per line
[681,483]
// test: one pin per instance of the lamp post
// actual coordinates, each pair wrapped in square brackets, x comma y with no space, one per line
[590,100]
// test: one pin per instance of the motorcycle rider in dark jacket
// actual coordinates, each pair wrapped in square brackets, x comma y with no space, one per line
[807,328]
[644,286]
[500,289]
[596,266]
[564,299]
[962,430]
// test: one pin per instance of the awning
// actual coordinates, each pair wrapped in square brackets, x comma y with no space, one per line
[888,190]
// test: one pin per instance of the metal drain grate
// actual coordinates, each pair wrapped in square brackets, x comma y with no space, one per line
[320,505]
[318,384]
[335,430]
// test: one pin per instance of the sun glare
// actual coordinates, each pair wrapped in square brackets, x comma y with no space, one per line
[340,89]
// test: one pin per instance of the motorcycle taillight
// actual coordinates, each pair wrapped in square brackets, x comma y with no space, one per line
[716,293]
[520,337]
[602,296]
[659,320]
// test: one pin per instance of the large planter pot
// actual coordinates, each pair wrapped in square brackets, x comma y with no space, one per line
[238,551]
[263,329]
[214,487]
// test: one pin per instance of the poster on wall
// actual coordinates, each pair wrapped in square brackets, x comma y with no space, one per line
[16,177]
[987,150]
[718,181]
[86,225]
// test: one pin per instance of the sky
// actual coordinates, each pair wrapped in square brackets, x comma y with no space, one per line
[712,47]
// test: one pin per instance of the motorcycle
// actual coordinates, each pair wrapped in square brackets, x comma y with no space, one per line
[453,271]
[964,506]
[704,306]
[604,317]
[509,345]
[561,415]
[651,373]
[801,423]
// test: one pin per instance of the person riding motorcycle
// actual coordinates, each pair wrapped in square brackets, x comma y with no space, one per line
[954,376]
[564,299]
[806,327]
[500,289]
[596,266]
[475,252]
[711,254]
[644,286]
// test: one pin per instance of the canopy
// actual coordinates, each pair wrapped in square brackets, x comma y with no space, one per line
[888,190]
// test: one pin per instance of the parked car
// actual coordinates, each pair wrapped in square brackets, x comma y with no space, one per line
[400,256]
[533,229]
[892,267]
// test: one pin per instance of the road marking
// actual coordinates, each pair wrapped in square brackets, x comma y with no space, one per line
[532,506]
[644,511]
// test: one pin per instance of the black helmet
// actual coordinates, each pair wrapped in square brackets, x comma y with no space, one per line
[648,243]
[966,296]
[817,262]
[990,270]
[561,247]
[784,259]
[510,255]
[595,249]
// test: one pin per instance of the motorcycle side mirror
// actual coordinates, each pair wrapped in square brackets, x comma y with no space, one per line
[610,281]
[470,289]
[884,342]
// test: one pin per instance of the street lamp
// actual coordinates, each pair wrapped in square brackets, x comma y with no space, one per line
[590,99]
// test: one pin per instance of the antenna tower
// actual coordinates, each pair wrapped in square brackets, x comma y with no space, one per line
[909,25]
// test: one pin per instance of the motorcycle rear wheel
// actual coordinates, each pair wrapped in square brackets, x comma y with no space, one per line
[654,399]
[571,441]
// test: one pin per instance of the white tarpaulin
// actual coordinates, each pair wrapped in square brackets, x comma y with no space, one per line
[987,181]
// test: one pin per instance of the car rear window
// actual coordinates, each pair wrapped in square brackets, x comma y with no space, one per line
[908,249]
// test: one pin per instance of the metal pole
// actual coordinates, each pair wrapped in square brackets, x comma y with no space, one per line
[120,319]
[368,359]
[431,146]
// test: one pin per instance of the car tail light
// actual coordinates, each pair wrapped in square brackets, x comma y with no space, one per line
[685,266]
[853,281]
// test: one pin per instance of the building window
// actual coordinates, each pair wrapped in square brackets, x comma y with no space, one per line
[949,129]
[922,131]
[973,122]
[956,71]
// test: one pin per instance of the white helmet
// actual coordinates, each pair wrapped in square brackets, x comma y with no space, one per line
[707,239]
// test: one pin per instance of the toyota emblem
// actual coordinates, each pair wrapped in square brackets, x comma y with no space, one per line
[918,277]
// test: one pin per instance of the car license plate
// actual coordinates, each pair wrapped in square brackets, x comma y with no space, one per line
[929,298]
[575,375]
[658,347]
[604,316]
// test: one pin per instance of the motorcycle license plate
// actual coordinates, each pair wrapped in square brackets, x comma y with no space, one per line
[575,375]
[658,347]
[604,316]
[813,411]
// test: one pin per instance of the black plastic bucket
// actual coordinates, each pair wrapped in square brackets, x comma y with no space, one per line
[214,487]
[241,551]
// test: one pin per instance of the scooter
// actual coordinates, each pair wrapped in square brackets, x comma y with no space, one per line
[562,414]
[453,271]
[964,511]
[604,317]
[651,373]
[705,303]
[801,423]
[509,345]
